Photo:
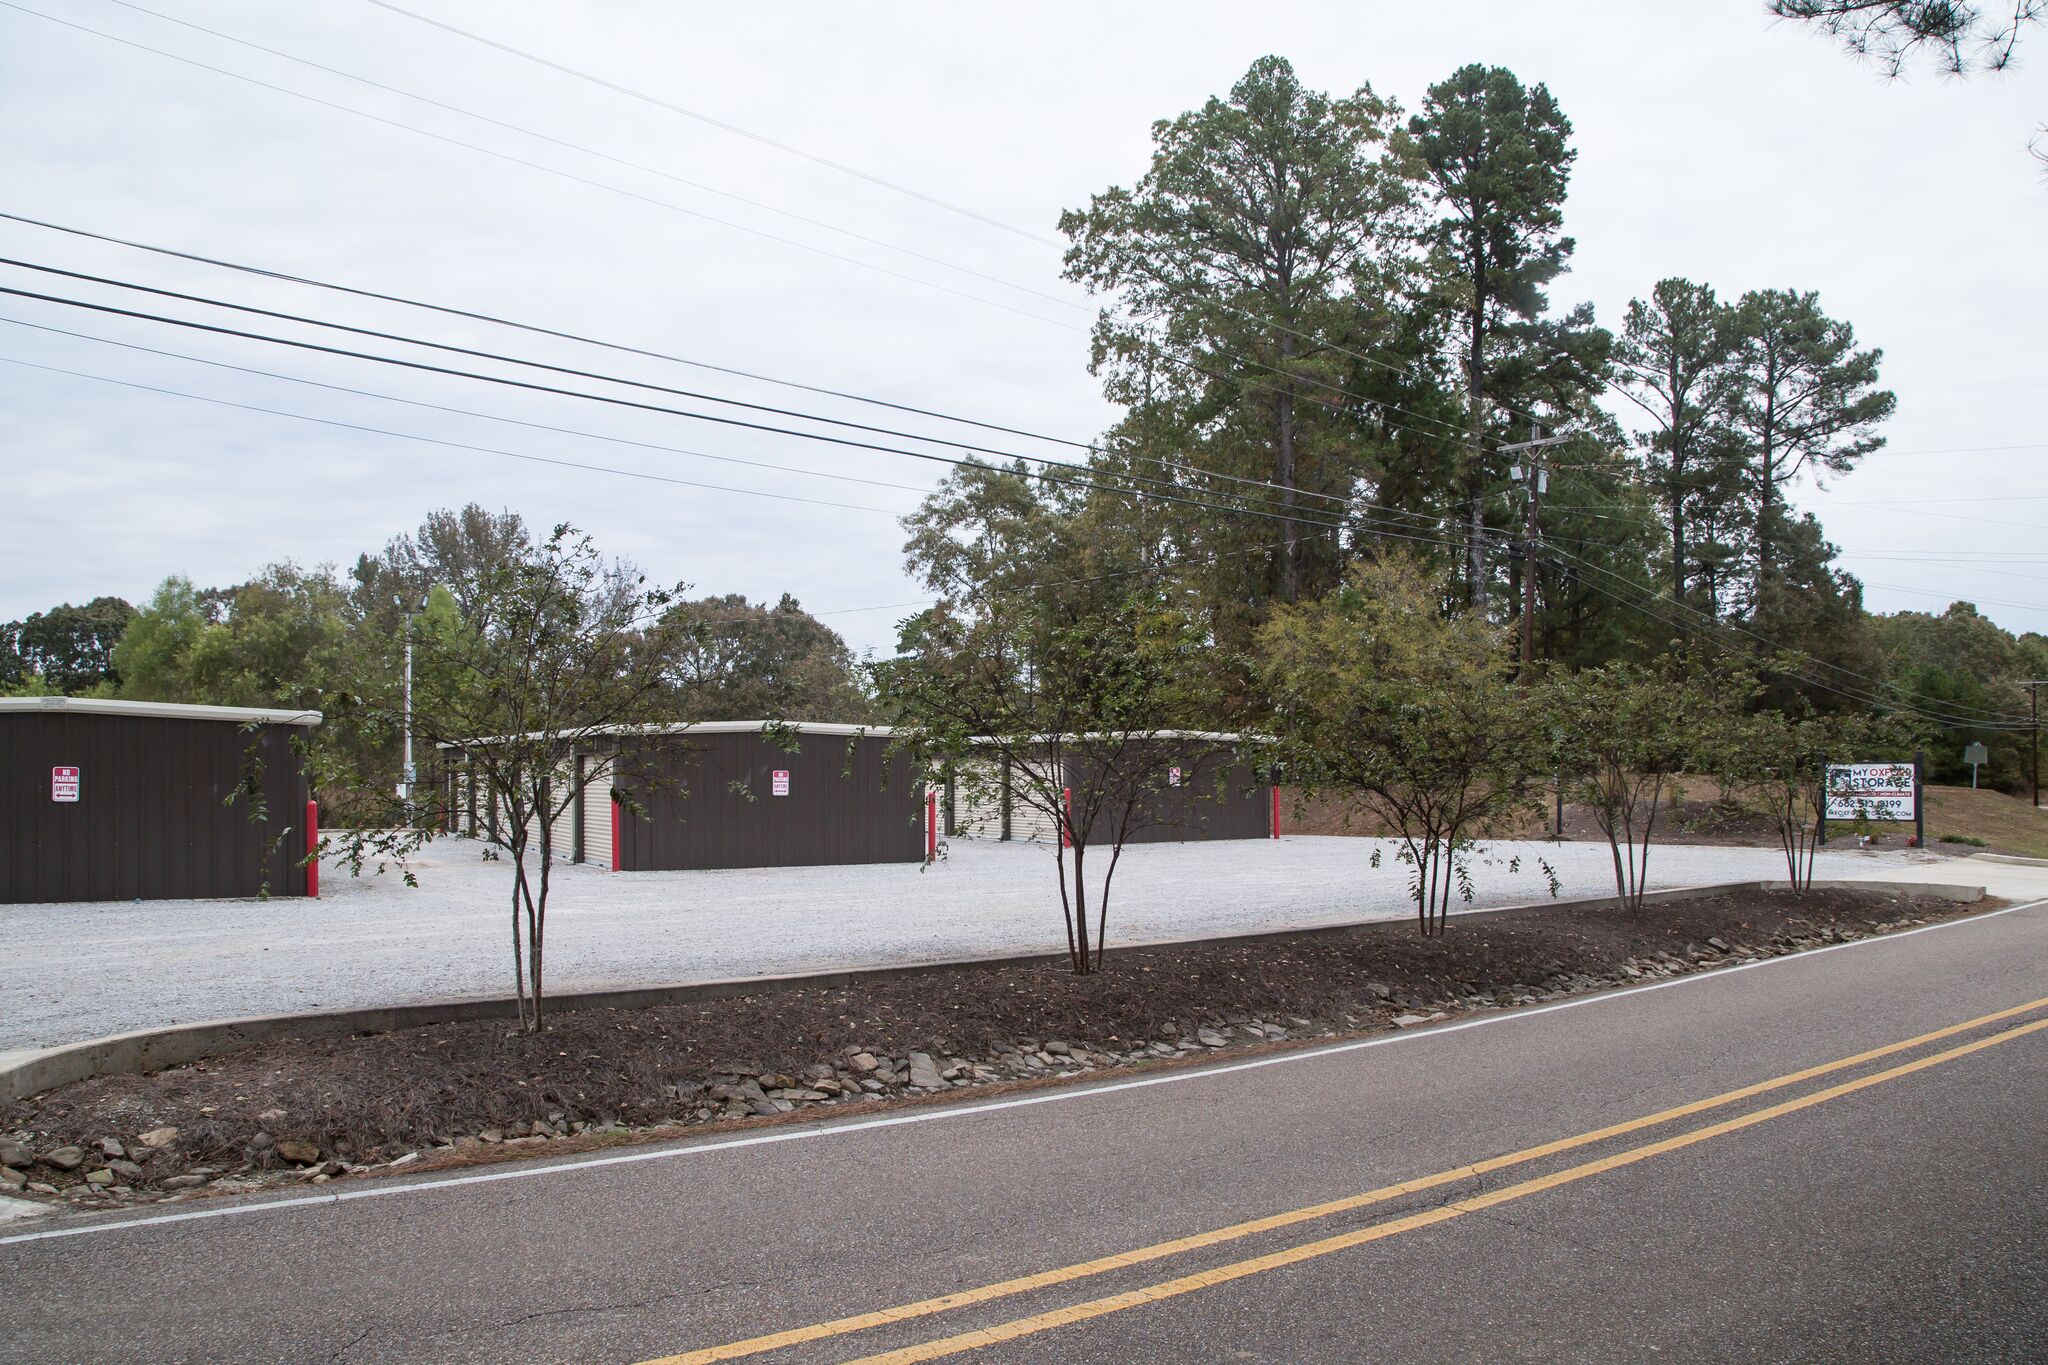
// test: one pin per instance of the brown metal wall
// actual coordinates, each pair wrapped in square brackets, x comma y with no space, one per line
[871,812]
[1221,796]
[152,819]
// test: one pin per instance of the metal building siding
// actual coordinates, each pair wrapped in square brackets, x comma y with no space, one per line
[153,820]
[1221,796]
[708,802]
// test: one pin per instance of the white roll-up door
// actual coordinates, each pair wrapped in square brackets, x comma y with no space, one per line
[597,813]
[562,829]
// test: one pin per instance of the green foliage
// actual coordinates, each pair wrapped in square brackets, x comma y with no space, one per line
[66,650]
[737,660]
[558,652]
[1775,765]
[1049,684]
[1495,157]
[1379,695]
[1803,400]
[1257,256]
[1620,736]
[1676,363]
[1968,667]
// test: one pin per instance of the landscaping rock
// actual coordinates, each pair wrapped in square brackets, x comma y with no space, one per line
[1210,1038]
[863,1062]
[184,1182]
[12,1178]
[112,1147]
[1717,945]
[124,1168]
[299,1152]
[99,1179]
[923,1073]
[64,1158]
[16,1154]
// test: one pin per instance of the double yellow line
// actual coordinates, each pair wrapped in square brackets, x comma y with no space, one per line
[1095,1308]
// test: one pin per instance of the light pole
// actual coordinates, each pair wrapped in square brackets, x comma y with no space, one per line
[406,775]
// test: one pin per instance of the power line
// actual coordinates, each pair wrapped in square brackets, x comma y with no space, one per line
[1682,622]
[1453,433]
[719,124]
[600,154]
[263,272]
[438,441]
[527,385]
[539,166]
[1292,518]
[465,412]
[699,395]
[536,329]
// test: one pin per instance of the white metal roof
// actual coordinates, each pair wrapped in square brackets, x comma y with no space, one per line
[164,710]
[709,727]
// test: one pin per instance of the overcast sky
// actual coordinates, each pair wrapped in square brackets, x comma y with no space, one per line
[1712,143]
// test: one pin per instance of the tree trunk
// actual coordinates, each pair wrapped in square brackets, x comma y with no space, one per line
[1082,961]
[1290,571]
[1475,409]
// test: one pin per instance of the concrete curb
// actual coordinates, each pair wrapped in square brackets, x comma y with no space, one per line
[147,1050]
[2013,858]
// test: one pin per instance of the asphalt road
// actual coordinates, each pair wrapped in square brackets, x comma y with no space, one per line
[1885,1207]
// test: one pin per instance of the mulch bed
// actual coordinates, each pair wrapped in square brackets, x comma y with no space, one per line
[359,1102]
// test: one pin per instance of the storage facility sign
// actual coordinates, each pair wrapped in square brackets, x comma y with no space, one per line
[63,784]
[1874,791]
[778,782]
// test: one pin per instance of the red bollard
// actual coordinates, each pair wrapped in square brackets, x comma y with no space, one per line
[313,848]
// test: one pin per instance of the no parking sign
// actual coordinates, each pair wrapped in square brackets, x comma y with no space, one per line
[778,782]
[63,784]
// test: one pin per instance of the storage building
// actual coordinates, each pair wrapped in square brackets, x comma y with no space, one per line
[122,800]
[1207,785]
[723,794]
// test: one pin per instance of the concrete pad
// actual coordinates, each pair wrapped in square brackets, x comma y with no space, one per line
[1999,877]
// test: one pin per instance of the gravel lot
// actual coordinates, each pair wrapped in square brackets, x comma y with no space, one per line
[70,972]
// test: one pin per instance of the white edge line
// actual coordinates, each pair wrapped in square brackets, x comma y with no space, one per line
[957,1111]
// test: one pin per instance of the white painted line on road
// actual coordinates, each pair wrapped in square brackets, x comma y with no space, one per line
[958,1111]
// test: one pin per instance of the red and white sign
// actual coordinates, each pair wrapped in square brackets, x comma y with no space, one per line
[1173,777]
[63,784]
[778,782]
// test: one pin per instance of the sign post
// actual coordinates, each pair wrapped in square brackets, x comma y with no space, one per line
[1974,755]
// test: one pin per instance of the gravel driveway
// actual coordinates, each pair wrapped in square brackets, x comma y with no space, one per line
[70,972]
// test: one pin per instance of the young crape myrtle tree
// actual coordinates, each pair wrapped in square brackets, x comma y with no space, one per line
[554,653]
[1775,765]
[1382,696]
[1622,735]
[1069,709]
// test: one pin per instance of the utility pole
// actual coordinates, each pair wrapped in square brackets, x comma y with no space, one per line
[2034,687]
[1530,473]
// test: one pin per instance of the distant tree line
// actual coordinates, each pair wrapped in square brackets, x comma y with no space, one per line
[327,639]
